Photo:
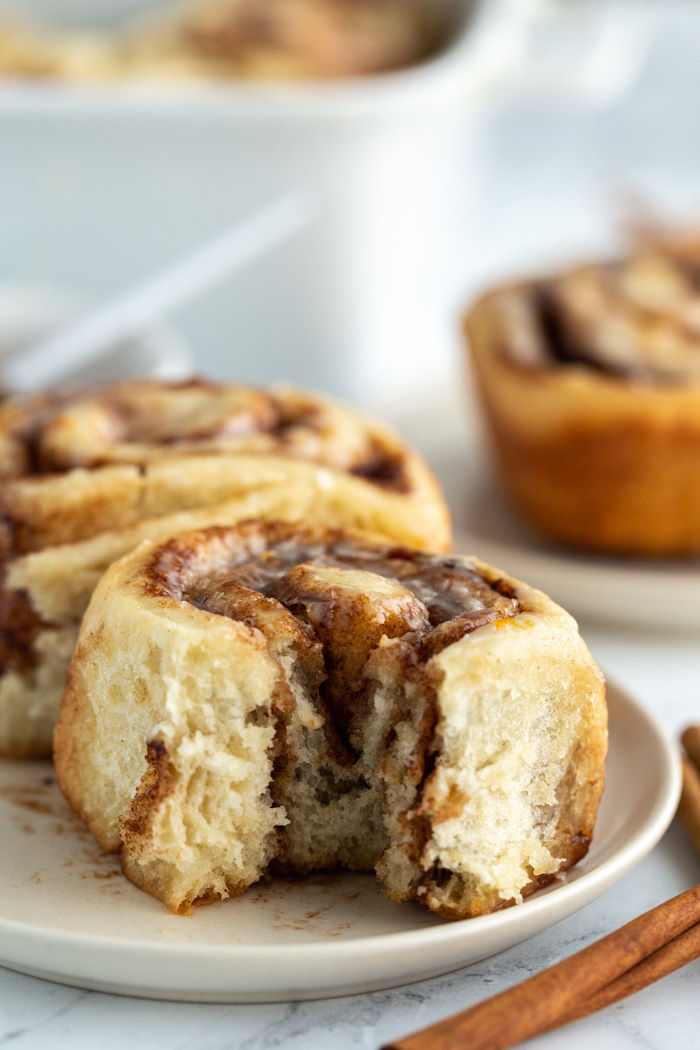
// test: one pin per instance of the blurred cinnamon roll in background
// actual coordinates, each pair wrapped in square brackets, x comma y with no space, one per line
[276,696]
[86,476]
[591,384]
[236,39]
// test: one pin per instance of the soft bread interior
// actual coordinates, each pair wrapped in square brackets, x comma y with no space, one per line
[522,738]
[173,756]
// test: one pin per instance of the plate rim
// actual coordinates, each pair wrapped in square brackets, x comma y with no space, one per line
[578,892]
[637,574]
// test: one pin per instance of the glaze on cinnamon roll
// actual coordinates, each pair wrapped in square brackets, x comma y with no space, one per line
[85,477]
[591,385]
[272,697]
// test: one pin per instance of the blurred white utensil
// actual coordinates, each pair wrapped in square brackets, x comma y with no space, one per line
[127,316]
[31,313]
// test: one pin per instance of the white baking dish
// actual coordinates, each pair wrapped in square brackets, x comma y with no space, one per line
[101,184]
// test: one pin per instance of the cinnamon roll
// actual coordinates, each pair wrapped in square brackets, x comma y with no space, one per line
[278,697]
[283,39]
[591,385]
[85,477]
[232,39]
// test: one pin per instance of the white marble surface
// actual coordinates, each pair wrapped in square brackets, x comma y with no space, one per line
[662,672]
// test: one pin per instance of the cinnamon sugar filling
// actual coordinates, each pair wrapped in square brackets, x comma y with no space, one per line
[95,428]
[347,599]
[638,321]
[446,589]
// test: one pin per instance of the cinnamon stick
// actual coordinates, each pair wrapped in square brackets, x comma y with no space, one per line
[691,742]
[554,996]
[689,805]
[672,956]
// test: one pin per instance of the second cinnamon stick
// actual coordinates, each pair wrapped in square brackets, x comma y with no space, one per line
[689,805]
[691,742]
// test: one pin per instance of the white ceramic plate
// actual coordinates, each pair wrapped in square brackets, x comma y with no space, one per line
[632,592]
[68,914]
[637,592]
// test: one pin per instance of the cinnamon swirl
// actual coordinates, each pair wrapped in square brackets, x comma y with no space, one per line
[85,477]
[591,384]
[272,696]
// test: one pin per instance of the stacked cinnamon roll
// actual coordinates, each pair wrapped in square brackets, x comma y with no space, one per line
[85,477]
[591,384]
[274,696]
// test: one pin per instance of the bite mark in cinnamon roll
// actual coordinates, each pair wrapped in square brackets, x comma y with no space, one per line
[324,699]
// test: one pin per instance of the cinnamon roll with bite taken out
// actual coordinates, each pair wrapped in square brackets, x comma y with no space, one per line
[86,476]
[591,384]
[280,697]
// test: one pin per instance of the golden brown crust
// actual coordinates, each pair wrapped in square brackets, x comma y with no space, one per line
[598,448]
